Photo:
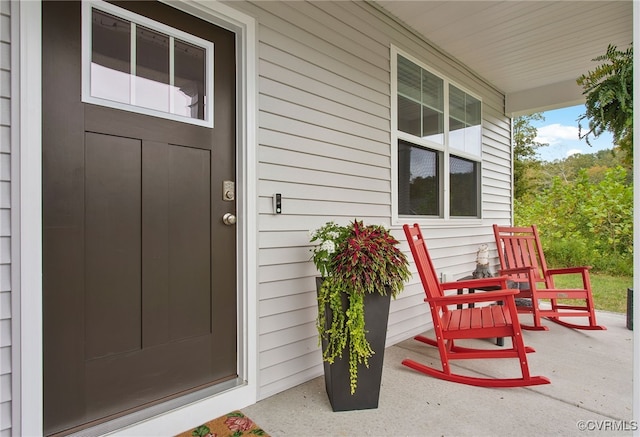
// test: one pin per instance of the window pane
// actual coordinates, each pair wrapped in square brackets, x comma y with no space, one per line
[432,125]
[110,57]
[464,187]
[473,131]
[190,72]
[409,78]
[418,181]
[152,69]
[473,111]
[456,134]
[457,118]
[473,139]
[465,120]
[432,91]
[420,102]
[433,108]
[408,116]
[457,104]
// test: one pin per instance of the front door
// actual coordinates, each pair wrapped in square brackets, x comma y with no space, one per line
[139,268]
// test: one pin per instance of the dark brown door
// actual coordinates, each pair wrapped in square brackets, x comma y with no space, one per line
[139,268]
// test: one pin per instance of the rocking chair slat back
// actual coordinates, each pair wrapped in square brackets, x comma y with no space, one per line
[424,264]
[521,248]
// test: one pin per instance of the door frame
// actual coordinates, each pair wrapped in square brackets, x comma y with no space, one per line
[27,344]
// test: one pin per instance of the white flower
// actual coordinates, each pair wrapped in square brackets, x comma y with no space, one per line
[329,246]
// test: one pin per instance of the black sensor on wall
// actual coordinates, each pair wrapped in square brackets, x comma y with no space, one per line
[277,203]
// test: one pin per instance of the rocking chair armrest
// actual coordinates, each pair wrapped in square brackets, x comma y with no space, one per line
[498,281]
[486,296]
[568,270]
[516,270]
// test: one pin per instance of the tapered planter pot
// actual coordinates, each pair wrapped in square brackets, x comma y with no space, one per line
[336,375]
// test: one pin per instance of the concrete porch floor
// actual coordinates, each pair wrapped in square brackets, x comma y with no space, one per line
[591,383]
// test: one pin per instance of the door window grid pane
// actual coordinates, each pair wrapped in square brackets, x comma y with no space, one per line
[110,57]
[190,72]
[152,69]
[135,67]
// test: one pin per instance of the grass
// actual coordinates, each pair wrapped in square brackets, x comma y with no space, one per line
[609,292]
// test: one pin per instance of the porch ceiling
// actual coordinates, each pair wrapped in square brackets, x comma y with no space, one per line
[533,51]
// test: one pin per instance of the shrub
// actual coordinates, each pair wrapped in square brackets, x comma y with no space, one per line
[583,222]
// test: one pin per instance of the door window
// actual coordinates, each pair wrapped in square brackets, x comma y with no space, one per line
[133,63]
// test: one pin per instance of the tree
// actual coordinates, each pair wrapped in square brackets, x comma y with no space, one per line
[525,162]
[609,94]
[594,163]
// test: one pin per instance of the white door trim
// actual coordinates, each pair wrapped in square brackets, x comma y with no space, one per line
[26,210]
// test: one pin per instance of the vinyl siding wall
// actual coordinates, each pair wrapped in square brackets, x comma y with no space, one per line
[324,134]
[5,220]
[324,144]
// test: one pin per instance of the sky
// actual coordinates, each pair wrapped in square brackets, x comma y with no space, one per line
[560,130]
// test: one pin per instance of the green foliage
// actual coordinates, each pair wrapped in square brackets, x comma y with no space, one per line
[609,98]
[524,153]
[583,222]
[572,252]
[353,260]
[201,431]
[596,164]
[329,237]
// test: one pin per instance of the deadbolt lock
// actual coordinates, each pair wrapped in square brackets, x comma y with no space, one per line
[228,191]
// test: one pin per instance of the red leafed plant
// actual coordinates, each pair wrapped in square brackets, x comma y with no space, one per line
[354,260]
[368,261]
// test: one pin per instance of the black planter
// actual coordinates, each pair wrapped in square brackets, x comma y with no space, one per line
[336,375]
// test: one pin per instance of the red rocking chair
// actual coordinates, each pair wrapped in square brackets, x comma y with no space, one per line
[522,260]
[480,322]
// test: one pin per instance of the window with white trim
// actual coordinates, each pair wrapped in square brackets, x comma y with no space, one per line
[438,129]
[136,64]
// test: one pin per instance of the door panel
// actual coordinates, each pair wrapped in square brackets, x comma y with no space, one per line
[155,268]
[112,245]
[139,272]
[189,244]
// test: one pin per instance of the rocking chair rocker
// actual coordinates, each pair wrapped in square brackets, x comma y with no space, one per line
[522,260]
[482,322]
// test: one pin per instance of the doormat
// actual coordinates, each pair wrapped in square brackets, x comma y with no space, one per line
[234,424]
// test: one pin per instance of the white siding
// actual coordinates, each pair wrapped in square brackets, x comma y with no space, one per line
[324,143]
[5,220]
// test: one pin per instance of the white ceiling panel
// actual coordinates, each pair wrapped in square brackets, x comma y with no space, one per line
[527,49]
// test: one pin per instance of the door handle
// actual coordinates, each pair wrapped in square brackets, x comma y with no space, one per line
[229,219]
